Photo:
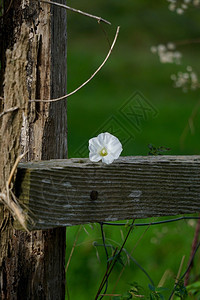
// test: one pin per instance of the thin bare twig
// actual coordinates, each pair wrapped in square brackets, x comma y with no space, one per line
[73,247]
[105,33]
[168,273]
[9,110]
[105,277]
[70,257]
[194,244]
[111,295]
[129,256]
[187,42]
[91,77]
[8,198]
[9,6]
[99,19]
[4,222]
[123,269]
[189,265]
[14,169]
[111,264]
[179,272]
[190,122]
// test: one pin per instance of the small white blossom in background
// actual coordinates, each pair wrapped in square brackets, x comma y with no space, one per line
[105,147]
[186,80]
[181,6]
[196,2]
[167,54]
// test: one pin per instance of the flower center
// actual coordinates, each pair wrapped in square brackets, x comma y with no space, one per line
[103,152]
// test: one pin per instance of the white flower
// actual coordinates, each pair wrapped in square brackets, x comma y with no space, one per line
[172,6]
[161,48]
[171,46]
[179,11]
[106,147]
[153,49]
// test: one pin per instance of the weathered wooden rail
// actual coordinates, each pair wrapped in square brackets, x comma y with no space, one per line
[77,191]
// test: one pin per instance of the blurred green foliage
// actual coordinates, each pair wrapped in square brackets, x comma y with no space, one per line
[131,68]
[158,249]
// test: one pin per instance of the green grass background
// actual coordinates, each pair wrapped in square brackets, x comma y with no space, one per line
[131,67]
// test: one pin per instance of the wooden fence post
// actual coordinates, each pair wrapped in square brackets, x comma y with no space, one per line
[33,57]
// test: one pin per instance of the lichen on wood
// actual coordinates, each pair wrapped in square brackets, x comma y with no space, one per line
[15,94]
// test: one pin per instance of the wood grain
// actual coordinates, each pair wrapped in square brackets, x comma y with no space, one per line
[77,191]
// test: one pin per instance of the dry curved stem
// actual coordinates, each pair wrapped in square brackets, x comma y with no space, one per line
[9,110]
[111,263]
[88,80]
[194,244]
[8,198]
[9,6]
[187,42]
[73,247]
[179,273]
[70,257]
[99,19]
[123,269]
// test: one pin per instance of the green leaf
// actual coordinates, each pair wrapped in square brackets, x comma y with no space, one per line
[195,285]
[180,290]
[126,296]
[151,287]
[161,289]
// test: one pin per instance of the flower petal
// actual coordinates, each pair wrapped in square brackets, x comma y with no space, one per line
[94,143]
[94,157]
[115,148]
[104,138]
[108,159]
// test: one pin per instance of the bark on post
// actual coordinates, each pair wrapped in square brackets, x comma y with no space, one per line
[33,60]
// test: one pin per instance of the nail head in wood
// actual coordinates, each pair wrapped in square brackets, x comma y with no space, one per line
[94,195]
